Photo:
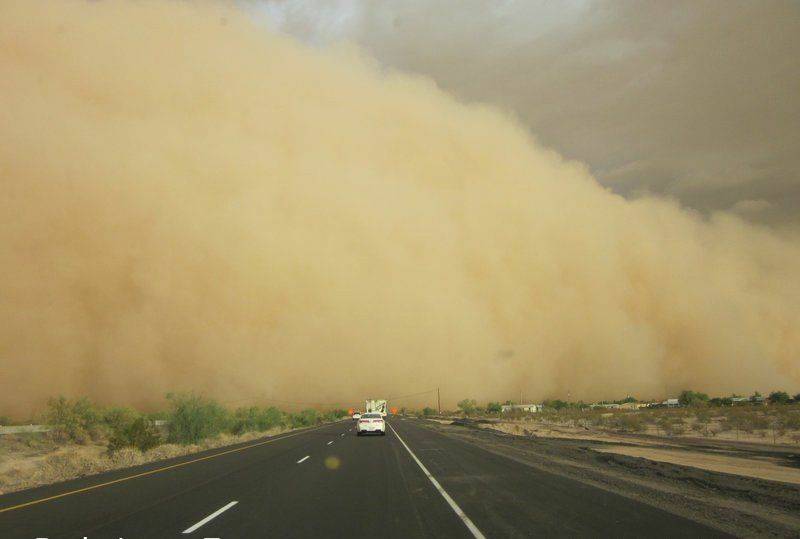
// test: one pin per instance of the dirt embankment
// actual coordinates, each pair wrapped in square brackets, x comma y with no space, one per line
[748,490]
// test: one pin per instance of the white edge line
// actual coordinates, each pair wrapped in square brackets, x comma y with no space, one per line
[213,515]
[329,443]
[453,505]
[304,459]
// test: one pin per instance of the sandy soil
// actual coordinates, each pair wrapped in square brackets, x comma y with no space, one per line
[768,468]
[528,428]
[717,454]
[570,432]
[735,487]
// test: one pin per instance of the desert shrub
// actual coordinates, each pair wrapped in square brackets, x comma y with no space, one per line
[256,419]
[648,417]
[671,424]
[791,421]
[779,397]
[125,457]
[721,401]
[555,404]
[307,418]
[139,433]
[428,411]
[759,422]
[692,398]
[493,408]
[702,416]
[515,413]
[194,418]
[119,418]
[73,420]
[468,406]
[334,415]
[627,422]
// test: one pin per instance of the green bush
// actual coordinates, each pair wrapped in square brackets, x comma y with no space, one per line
[779,397]
[427,411]
[494,408]
[194,418]
[78,420]
[119,418]
[692,398]
[140,433]
[333,415]
[721,401]
[255,419]
[555,404]
[307,418]
[468,406]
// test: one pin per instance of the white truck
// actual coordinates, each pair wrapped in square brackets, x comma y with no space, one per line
[376,405]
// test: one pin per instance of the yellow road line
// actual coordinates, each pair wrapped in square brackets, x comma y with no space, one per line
[151,472]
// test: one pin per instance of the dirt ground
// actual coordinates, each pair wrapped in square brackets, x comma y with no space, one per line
[746,489]
[768,468]
[721,455]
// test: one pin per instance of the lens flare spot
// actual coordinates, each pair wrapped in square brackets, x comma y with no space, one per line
[333,462]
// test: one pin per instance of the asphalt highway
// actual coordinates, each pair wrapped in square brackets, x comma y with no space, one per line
[327,482]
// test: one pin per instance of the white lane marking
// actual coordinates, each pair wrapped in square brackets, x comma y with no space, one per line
[304,459]
[453,505]
[329,443]
[342,434]
[210,517]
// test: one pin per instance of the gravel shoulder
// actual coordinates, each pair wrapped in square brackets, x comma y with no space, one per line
[745,505]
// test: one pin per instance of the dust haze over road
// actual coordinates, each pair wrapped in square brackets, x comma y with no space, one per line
[191,202]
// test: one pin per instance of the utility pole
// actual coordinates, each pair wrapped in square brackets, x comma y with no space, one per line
[439,400]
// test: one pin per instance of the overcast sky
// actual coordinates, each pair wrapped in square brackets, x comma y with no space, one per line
[697,100]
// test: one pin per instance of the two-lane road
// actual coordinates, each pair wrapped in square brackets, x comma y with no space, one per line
[327,482]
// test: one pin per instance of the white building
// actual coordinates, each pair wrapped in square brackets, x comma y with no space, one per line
[608,405]
[532,408]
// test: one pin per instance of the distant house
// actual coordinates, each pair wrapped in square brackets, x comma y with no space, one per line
[532,408]
[607,405]
[671,403]
[616,406]
[740,400]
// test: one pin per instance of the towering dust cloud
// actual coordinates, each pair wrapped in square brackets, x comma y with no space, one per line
[189,202]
